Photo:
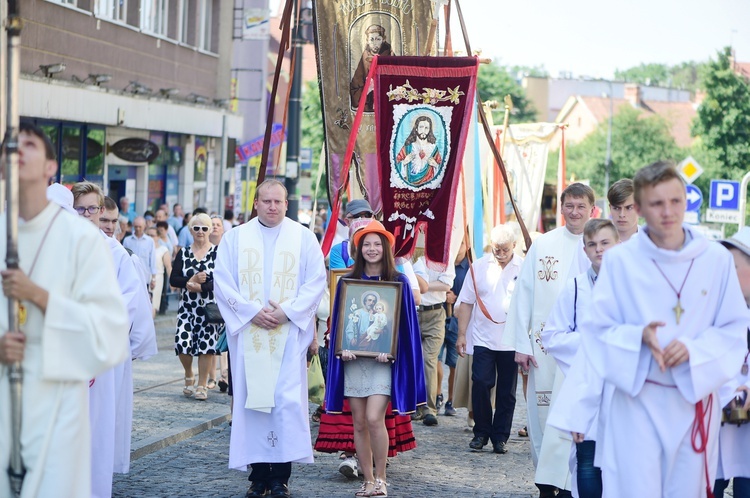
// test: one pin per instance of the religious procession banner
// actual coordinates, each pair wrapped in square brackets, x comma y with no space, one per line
[424,108]
[348,35]
[525,157]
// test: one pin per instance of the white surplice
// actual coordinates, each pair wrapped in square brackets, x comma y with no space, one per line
[283,435]
[647,446]
[83,333]
[553,258]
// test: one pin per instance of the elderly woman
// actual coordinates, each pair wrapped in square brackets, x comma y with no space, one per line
[192,271]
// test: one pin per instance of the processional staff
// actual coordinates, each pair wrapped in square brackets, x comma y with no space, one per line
[13,24]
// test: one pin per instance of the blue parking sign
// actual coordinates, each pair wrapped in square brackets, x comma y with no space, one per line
[725,194]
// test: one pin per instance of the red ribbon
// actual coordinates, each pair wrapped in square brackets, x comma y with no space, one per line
[700,436]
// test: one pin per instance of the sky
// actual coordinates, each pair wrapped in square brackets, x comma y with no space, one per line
[595,37]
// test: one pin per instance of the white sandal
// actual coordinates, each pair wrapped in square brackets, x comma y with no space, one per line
[363,489]
[380,488]
[200,393]
[188,389]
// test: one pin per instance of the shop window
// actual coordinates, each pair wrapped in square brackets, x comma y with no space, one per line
[201,159]
[95,155]
[71,155]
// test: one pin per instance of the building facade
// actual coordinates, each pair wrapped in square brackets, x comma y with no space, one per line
[134,95]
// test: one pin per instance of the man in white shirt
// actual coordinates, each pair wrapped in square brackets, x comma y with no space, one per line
[431,314]
[481,323]
[142,246]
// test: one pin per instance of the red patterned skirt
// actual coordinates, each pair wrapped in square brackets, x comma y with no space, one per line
[336,432]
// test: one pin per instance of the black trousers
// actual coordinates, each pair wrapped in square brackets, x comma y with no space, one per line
[270,472]
[493,369]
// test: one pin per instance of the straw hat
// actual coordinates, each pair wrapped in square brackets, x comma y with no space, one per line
[374,227]
[740,240]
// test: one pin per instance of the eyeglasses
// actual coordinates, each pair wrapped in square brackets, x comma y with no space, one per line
[91,209]
[201,228]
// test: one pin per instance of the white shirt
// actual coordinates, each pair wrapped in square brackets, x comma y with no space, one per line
[492,283]
[434,297]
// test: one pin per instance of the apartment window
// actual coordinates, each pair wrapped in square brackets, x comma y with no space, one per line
[206,11]
[111,9]
[154,14]
[184,16]
[74,3]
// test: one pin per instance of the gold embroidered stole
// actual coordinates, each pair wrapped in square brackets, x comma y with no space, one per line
[264,349]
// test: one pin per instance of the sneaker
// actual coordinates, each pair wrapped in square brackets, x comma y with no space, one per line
[430,420]
[478,442]
[349,467]
[418,415]
[449,410]
[439,402]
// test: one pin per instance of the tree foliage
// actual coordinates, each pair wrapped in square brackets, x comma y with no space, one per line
[313,133]
[685,75]
[636,142]
[723,120]
[494,82]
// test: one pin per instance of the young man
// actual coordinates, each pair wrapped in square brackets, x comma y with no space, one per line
[735,439]
[554,257]
[111,393]
[668,328]
[562,337]
[269,329]
[622,208]
[480,310]
[73,324]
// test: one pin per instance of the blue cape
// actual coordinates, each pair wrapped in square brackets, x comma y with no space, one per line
[407,372]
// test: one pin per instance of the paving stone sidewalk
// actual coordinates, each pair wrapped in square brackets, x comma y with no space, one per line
[181,448]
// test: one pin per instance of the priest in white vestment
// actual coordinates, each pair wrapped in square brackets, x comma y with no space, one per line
[75,327]
[269,279]
[668,329]
[553,258]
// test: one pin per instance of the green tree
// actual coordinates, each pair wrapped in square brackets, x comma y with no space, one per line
[313,133]
[723,120]
[684,75]
[636,142]
[494,82]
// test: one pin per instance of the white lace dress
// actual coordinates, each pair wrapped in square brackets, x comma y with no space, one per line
[364,377]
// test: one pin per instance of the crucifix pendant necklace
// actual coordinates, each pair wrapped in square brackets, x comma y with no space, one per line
[678,310]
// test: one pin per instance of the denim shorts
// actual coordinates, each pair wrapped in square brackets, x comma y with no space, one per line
[449,344]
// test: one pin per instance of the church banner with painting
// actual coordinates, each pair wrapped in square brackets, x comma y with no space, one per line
[348,34]
[424,108]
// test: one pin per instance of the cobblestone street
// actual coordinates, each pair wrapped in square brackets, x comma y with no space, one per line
[181,447]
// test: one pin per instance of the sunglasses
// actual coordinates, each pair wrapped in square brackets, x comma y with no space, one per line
[201,228]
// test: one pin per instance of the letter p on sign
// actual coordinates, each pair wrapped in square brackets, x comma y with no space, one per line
[724,194]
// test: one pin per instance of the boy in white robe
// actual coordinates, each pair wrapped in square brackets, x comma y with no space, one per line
[668,329]
[111,393]
[255,262]
[562,337]
[75,327]
[552,259]
[734,440]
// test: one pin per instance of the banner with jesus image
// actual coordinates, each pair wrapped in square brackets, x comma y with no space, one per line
[422,113]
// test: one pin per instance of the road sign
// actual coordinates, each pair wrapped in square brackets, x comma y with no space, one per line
[691,218]
[694,198]
[690,169]
[725,194]
[722,216]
